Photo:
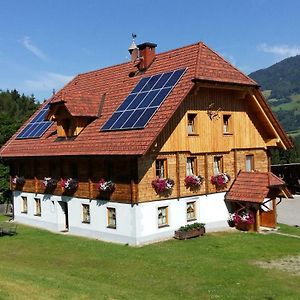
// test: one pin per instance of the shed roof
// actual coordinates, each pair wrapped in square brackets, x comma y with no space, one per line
[254,186]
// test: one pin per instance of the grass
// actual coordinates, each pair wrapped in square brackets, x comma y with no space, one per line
[293,105]
[289,229]
[37,264]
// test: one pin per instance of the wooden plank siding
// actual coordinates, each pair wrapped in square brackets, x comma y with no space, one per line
[245,133]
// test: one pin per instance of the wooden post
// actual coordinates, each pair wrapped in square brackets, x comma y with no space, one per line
[178,174]
[257,220]
[274,212]
[206,173]
[235,163]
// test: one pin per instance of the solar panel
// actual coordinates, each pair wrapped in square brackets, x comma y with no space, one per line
[144,100]
[37,126]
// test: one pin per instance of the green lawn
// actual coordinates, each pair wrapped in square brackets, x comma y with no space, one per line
[36,264]
[289,229]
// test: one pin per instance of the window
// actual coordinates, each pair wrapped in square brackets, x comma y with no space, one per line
[191,211]
[162,216]
[161,168]
[191,124]
[191,168]
[226,124]
[218,165]
[24,205]
[86,213]
[249,163]
[111,217]
[37,206]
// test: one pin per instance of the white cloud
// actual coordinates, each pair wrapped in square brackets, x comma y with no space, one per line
[47,82]
[26,41]
[280,50]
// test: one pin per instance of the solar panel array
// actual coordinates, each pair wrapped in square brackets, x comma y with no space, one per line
[144,100]
[37,126]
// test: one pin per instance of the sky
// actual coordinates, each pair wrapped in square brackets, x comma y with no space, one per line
[45,43]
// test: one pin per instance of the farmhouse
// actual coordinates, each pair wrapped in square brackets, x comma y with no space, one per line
[131,152]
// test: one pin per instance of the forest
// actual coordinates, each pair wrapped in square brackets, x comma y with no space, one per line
[15,109]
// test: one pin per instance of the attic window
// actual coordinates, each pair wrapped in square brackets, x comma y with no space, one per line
[191,124]
[227,127]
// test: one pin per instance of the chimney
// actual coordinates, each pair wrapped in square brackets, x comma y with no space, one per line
[146,55]
[133,50]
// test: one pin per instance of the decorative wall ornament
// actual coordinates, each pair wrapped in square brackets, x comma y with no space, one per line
[213,112]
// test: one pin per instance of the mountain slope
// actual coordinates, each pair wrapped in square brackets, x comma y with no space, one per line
[281,87]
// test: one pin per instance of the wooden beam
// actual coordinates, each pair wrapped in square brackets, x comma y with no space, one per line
[178,174]
[206,173]
[257,219]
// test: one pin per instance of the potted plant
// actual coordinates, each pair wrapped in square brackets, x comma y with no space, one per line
[193,181]
[163,185]
[49,183]
[106,186]
[243,220]
[70,184]
[220,180]
[190,231]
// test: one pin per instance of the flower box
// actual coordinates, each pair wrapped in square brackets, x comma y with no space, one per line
[163,185]
[106,186]
[193,181]
[220,180]
[243,220]
[69,185]
[49,183]
[18,181]
[190,231]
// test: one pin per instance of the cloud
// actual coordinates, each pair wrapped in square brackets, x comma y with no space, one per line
[47,82]
[32,48]
[280,50]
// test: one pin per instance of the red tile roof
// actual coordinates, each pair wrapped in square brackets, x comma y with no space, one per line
[253,186]
[202,64]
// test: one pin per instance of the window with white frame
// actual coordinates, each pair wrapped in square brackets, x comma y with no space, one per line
[226,124]
[24,204]
[191,124]
[86,213]
[111,217]
[249,163]
[162,216]
[161,168]
[191,211]
[191,166]
[218,165]
[38,210]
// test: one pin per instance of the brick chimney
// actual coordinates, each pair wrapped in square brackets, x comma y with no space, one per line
[146,55]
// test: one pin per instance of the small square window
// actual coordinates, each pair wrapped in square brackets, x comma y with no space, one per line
[161,168]
[191,168]
[111,217]
[227,124]
[38,211]
[191,124]
[24,205]
[249,163]
[162,216]
[191,211]
[86,213]
[218,165]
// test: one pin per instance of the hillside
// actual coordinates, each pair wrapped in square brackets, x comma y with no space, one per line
[281,87]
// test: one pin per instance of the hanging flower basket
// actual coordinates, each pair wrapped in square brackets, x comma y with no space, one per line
[106,186]
[70,184]
[18,181]
[163,185]
[193,181]
[49,183]
[243,220]
[220,180]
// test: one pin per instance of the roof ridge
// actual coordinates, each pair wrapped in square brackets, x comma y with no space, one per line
[231,65]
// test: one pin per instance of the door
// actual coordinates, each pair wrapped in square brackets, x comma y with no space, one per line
[64,206]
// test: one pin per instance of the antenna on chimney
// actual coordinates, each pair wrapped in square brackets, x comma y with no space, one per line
[53,92]
[133,49]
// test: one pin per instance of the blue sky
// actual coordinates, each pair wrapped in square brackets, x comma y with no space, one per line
[44,43]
